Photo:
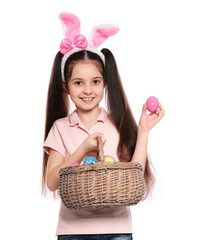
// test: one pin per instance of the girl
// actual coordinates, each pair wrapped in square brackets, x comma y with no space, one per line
[83,72]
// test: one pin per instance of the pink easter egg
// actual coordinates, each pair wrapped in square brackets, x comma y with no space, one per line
[74,164]
[152,104]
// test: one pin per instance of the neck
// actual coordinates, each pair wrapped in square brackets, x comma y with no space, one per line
[87,117]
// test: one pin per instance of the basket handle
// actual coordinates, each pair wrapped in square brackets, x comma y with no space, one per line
[101,150]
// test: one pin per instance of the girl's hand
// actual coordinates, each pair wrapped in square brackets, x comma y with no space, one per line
[90,144]
[148,121]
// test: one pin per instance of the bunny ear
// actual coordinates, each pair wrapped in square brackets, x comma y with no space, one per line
[100,33]
[71,25]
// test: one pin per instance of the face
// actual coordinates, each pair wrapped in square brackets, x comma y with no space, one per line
[86,86]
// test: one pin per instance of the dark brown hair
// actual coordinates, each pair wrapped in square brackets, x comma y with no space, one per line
[122,117]
[118,106]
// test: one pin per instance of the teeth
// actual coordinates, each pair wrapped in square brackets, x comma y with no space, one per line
[87,99]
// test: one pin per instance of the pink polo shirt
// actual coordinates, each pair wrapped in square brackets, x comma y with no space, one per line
[65,136]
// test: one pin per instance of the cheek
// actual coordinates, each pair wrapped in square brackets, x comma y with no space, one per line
[72,90]
[101,92]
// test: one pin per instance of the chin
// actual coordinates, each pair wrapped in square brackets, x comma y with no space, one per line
[88,108]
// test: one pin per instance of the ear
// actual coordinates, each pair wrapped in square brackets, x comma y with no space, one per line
[71,25]
[64,87]
[101,32]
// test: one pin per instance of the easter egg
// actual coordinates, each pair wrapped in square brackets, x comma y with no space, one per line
[152,104]
[74,164]
[90,160]
[109,159]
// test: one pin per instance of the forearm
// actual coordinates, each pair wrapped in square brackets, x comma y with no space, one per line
[140,153]
[53,176]
[146,123]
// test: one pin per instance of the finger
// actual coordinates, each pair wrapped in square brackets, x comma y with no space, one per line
[144,109]
[97,134]
[160,115]
[161,110]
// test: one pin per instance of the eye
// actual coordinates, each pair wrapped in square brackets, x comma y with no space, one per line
[96,81]
[78,83]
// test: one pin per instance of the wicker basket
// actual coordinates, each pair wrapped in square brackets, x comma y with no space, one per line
[102,184]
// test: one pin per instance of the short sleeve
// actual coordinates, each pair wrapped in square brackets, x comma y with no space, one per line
[54,140]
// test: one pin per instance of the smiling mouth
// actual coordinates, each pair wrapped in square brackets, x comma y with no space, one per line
[87,99]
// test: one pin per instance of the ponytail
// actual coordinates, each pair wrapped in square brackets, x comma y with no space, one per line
[57,105]
[119,109]
[122,116]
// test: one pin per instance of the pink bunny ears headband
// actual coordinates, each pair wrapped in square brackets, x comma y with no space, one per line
[75,42]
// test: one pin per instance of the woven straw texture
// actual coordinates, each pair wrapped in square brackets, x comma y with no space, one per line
[102,184]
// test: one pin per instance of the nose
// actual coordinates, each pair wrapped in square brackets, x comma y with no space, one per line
[87,89]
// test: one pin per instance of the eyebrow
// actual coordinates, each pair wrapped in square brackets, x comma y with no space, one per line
[98,77]
[76,79]
[80,79]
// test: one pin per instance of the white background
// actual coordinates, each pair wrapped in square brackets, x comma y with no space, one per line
[157,51]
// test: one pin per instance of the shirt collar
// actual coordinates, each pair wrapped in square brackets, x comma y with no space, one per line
[74,118]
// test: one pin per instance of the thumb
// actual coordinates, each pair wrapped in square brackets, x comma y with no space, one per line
[144,109]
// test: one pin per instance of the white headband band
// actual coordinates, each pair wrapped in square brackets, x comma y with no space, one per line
[75,42]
